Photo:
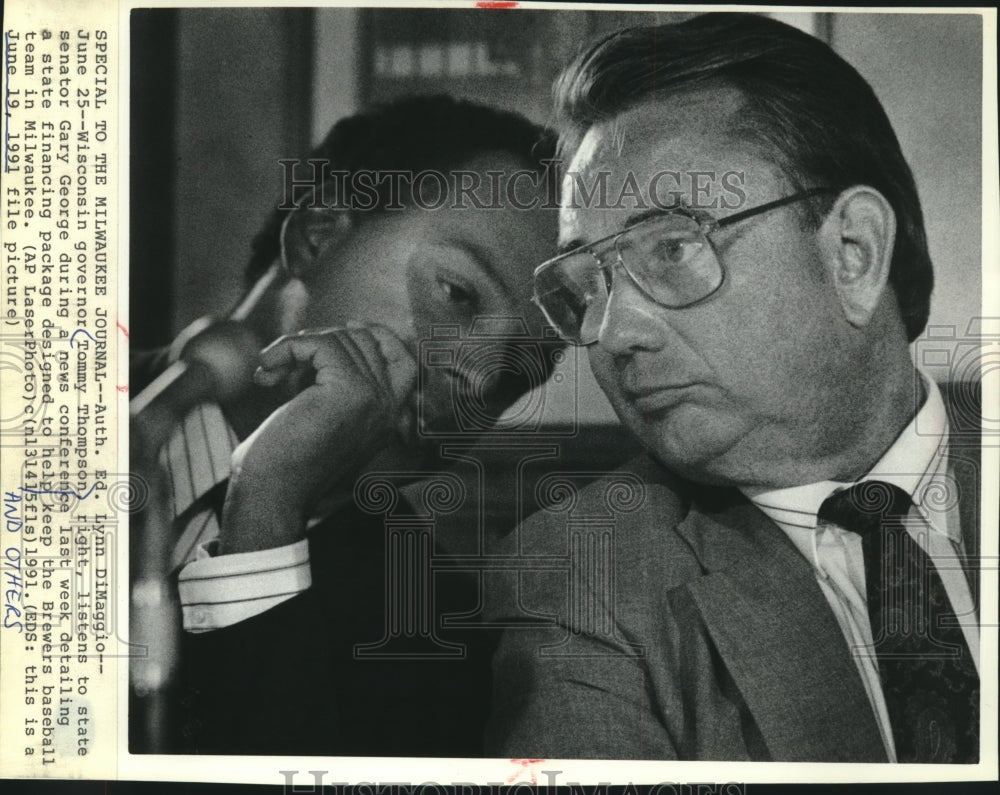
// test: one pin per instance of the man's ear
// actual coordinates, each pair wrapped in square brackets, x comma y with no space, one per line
[307,235]
[856,240]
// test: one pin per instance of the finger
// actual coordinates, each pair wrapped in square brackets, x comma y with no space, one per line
[270,353]
[318,330]
[394,349]
[330,368]
[277,360]
[294,353]
[401,365]
[354,345]
[406,427]
[359,338]
[263,377]
[367,346]
[333,357]
[394,390]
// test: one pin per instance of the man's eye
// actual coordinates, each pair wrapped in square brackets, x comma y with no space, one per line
[455,293]
[676,250]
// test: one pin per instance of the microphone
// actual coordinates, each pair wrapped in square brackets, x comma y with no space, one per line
[216,361]
[216,364]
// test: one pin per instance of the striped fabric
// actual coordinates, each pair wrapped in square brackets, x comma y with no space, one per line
[196,459]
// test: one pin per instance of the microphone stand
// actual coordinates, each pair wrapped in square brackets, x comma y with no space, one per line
[212,360]
[154,623]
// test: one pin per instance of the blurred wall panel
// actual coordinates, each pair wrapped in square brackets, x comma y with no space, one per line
[814,24]
[506,58]
[151,174]
[927,71]
[336,89]
[243,102]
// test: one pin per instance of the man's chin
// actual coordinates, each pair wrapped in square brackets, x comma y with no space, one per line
[691,442]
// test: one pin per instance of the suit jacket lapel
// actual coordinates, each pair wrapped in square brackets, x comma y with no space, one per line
[776,633]
[964,463]
[963,403]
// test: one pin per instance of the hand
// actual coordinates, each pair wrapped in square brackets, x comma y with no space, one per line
[321,438]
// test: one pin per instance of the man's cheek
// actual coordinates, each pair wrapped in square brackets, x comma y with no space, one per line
[604,372]
[608,379]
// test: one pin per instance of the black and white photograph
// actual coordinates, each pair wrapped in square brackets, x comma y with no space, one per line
[577,384]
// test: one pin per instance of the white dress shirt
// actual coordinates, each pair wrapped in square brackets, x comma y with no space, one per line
[917,462]
[218,591]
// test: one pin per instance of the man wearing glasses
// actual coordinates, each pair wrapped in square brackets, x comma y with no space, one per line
[788,588]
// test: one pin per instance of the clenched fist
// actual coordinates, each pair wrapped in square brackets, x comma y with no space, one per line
[319,440]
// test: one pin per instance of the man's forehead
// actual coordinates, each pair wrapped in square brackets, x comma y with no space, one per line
[692,112]
[685,133]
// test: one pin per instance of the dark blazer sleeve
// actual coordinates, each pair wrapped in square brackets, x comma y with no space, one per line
[290,681]
[262,685]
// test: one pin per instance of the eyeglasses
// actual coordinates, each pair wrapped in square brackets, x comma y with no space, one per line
[668,256]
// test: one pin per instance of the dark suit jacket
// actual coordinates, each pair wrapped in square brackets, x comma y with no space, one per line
[714,641]
[288,681]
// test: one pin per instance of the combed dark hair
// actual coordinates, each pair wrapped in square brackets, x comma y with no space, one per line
[413,134]
[807,109]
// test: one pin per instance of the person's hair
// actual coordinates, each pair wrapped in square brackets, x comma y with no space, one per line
[806,110]
[414,134]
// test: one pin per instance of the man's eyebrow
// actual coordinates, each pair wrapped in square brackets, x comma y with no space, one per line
[575,243]
[650,212]
[632,220]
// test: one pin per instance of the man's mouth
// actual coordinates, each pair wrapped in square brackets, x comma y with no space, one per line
[657,399]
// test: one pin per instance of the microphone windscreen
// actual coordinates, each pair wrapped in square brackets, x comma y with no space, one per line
[229,350]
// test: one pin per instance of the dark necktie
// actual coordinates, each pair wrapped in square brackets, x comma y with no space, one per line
[928,676]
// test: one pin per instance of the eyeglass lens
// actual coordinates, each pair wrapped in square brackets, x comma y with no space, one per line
[668,257]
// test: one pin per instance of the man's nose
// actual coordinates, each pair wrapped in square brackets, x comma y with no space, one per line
[632,321]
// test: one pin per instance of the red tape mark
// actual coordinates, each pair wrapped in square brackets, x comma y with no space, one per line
[503,4]
[524,767]
[122,387]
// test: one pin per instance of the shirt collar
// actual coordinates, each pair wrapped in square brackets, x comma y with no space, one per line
[916,462]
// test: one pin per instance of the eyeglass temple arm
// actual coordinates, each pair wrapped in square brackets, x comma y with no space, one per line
[795,197]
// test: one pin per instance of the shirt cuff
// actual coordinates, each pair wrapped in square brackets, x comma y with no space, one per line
[218,591]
